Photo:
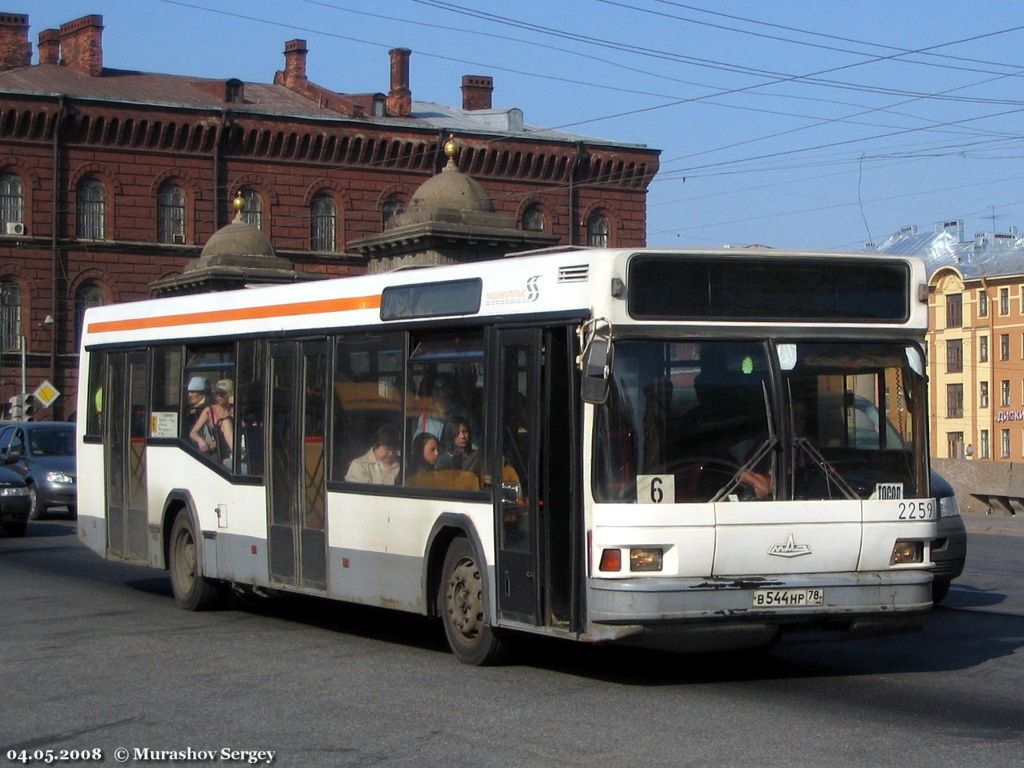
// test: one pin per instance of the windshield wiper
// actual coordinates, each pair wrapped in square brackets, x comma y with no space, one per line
[748,465]
[831,474]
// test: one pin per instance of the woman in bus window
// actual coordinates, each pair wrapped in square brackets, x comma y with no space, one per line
[214,430]
[457,445]
[426,450]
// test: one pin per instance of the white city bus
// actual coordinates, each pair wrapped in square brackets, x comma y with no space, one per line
[676,449]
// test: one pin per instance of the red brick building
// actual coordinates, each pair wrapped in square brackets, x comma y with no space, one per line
[111,180]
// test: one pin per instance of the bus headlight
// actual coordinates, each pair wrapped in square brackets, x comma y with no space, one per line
[907,552]
[646,558]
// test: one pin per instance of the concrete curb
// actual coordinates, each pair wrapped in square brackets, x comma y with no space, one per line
[1002,525]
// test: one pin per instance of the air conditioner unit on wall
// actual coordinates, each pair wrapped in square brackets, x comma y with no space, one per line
[15,228]
[178,239]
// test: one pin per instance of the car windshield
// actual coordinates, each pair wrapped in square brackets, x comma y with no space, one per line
[703,421]
[52,442]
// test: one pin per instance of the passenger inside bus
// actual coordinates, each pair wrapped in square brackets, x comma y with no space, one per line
[423,470]
[426,450]
[214,430]
[438,402]
[457,447]
[380,464]
[198,396]
[731,421]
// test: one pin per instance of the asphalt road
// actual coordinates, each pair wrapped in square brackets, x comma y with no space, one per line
[94,655]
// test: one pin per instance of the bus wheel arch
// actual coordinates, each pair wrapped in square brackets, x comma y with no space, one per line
[178,502]
[458,592]
[183,557]
[446,529]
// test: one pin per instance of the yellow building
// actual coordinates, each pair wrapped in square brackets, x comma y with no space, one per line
[975,340]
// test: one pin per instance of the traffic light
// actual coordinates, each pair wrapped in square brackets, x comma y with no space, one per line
[30,407]
[17,407]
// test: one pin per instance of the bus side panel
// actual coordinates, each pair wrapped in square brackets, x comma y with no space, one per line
[232,517]
[92,513]
[376,546]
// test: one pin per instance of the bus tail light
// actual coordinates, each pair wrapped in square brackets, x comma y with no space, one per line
[646,558]
[611,560]
[907,552]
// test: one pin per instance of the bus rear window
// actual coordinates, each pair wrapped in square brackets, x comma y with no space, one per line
[768,289]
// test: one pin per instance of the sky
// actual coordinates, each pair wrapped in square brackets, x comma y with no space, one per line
[813,124]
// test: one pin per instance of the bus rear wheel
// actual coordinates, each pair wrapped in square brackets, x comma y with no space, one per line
[463,607]
[192,590]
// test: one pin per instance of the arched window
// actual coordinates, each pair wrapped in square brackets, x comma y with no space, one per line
[533,219]
[12,202]
[91,210]
[170,214]
[323,223]
[391,208]
[252,213]
[10,315]
[597,230]
[88,294]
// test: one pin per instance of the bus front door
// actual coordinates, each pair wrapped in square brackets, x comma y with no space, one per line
[296,487]
[517,499]
[125,455]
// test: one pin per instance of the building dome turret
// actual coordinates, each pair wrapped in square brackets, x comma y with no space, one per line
[451,189]
[236,244]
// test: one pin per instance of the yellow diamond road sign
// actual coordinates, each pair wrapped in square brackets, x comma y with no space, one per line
[45,394]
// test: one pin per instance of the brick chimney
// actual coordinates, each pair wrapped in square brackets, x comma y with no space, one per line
[400,97]
[81,44]
[49,46]
[476,92]
[15,49]
[295,63]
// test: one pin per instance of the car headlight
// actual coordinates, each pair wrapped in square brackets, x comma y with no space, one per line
[61,478]
[13,490]
[949,507]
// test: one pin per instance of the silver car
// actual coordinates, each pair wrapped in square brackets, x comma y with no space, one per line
[43,453]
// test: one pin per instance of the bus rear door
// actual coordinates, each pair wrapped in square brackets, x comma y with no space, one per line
[124,454]
[297,493]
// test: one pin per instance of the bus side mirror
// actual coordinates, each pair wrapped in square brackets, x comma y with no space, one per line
[596,369]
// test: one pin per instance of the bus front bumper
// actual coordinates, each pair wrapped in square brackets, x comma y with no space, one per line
[661,600]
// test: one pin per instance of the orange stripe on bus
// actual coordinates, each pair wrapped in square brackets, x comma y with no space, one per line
[243,313]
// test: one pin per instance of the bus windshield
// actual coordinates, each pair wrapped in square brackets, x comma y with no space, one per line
[718,420]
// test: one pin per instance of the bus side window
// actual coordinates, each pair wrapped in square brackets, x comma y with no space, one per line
[208,422]
[97,375]
[367,394]
[249,409]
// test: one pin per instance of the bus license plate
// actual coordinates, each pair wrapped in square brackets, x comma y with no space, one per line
[788,598]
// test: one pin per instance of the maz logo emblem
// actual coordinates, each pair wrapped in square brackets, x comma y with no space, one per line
[789,549]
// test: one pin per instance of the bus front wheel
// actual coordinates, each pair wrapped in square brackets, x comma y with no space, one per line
[463,608]
[192,590]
